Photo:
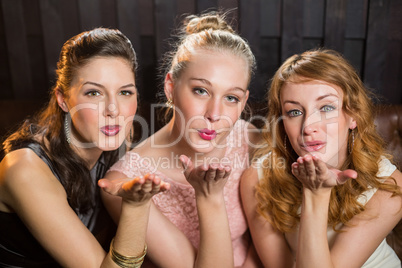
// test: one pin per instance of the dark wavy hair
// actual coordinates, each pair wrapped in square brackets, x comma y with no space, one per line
[46,128]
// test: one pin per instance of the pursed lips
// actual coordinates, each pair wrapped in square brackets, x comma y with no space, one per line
[313,146]
[110,130]
[207,134]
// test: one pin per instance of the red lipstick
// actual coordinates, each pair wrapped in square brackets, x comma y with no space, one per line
[207,134]
[110,130]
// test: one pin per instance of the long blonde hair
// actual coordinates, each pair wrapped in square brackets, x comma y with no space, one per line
[279,192]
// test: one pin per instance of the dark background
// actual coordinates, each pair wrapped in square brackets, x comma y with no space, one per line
[32,32]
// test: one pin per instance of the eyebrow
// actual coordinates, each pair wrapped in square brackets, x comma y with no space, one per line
[101,86]
[318,99]
[209,84]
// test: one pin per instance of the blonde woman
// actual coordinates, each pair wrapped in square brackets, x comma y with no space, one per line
[201,152]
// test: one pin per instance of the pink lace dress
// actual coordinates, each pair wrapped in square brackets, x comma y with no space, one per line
[178,204]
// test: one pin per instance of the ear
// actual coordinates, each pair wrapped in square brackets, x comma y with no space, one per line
[352,124]
[61,100]
[169,86]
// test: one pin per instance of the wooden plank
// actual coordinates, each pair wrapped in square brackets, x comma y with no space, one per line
[109,13]
[354,53]
[313,18]
[147,75]
[392,79]
[129,17]
[68,11]
[268,62]
[53,33]
[89,14]
[312,43]
[356,19]
[335,23]
[60,22]
[5,82]
[40,80]
[204,5]
[250,23]
[376,46]
[129,21]
[186,7]
[165,13]
[147,17]
[270,18]
[292,28]
[17,48]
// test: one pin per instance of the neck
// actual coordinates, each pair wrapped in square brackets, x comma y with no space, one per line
[89,155]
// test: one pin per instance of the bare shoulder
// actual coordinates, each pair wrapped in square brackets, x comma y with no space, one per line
[397,175]
[249,180]
[22,171]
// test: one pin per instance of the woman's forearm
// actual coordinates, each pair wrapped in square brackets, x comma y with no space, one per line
[215,249]
[313,249]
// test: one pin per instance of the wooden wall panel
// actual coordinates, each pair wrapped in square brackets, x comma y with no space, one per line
[206,4]
[108,14]
[89,14]
[313,18]
[335,24]
[376,52]
[292,28]
[18,56]
[392,79]
[367,32]
[356,19]
[6,87]
[270,18]
[165,13]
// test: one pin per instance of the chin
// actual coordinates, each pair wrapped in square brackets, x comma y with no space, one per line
[203,148]
[110,144]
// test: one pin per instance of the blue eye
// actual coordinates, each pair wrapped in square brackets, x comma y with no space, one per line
[327,108]
[200,91]
[294,113]
[233,99]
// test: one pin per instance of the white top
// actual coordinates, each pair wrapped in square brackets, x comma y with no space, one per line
[384,255]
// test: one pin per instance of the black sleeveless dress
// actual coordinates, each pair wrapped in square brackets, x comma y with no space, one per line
[18,248]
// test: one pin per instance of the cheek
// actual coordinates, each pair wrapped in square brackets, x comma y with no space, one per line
[85,117]
[292,129]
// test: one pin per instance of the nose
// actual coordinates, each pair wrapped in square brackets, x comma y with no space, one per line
[213,112]
[111,108]
[311,122]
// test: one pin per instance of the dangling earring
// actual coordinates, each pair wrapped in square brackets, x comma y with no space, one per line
[169,103]
[353,141]
[67,128]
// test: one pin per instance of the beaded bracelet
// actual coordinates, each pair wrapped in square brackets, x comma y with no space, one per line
[127,261]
